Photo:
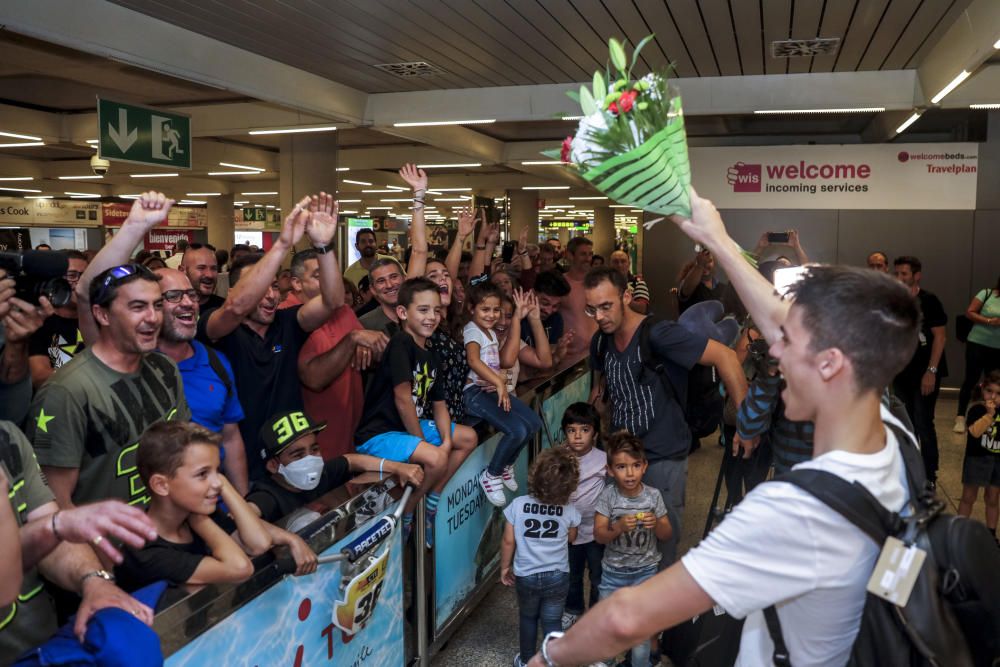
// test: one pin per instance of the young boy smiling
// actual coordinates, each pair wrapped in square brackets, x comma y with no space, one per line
[179,463]
[406,417]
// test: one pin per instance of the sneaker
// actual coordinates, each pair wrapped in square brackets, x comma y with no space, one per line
[518,662]
[429,529]
[493,488]
[508,478]
[568,619]
[959,425]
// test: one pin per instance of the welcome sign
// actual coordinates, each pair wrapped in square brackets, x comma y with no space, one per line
[869,176]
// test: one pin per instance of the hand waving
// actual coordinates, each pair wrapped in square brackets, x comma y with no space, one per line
[321,226]
[415,178]
[295,223]
[149,210]
[466,223]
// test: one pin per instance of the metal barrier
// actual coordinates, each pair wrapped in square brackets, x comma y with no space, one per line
[369,602]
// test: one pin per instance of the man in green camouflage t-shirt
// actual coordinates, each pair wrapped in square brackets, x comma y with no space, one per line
[86,421]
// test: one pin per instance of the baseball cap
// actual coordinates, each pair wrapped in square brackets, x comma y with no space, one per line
[284,428]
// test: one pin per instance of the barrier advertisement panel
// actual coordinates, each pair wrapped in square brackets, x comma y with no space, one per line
[554,406]
[342,616]
[467,531]
[862,176]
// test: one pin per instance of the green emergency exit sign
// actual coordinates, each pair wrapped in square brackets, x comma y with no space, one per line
[254,214]
[143,135]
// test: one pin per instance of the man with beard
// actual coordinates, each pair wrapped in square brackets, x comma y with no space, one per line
[366,245]
[59,339]
[86,421]
[262,342]
[385,278]
[202,270]
[207,374]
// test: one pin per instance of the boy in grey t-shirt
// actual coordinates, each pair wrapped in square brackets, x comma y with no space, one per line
[630,518]
[534,556]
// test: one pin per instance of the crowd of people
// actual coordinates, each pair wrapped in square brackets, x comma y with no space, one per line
[163,424]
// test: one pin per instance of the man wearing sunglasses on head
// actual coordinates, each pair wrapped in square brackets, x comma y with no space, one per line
[263,342]
[86,421]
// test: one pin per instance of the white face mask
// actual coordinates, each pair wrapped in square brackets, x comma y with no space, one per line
[303,474]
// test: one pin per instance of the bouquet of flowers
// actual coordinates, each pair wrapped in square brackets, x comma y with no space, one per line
[631,143]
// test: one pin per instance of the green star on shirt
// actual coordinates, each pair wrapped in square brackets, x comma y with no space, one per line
[43,420]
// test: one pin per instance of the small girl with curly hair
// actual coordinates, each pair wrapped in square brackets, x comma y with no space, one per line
[534,557]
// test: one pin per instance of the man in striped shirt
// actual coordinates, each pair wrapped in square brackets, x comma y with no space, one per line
[622,263]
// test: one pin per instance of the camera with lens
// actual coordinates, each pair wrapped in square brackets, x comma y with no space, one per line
[38,273]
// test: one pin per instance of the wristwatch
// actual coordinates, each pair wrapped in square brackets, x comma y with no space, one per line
[323,249]
[545,648]
[102,574]
[932,370]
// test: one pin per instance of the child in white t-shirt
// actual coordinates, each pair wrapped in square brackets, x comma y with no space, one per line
[581,425]
[534,553]
[486,395]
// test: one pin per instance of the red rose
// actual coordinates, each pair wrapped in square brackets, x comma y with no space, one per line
[613,108]
[567,147]
[627,99]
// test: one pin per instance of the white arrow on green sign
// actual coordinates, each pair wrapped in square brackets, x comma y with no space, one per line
[143,135]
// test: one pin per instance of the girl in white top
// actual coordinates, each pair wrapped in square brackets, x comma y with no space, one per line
[539,356]
[486,394]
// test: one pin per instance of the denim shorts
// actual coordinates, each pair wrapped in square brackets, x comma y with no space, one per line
[400,445]
[612,579]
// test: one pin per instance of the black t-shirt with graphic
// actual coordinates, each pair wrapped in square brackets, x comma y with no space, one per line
[58,339]
[931,315]
[988,444]
[402,361]
[276,502]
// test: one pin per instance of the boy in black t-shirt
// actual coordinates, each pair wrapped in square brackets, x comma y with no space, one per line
[403,396]
[179,463]
[298,474]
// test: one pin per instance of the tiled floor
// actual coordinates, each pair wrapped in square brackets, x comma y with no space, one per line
[489,637]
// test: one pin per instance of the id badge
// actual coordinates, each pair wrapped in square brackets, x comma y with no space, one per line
[896,571]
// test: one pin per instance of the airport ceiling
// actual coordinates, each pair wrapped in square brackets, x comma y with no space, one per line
[234,65]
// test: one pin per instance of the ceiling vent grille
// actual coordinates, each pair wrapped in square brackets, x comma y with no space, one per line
[410,70]
[805,48]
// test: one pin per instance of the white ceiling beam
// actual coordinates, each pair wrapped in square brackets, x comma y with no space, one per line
[106,29]
[966,45]
[452,138]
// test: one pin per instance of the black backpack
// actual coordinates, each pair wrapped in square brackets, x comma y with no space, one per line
[952,618]
[705,403]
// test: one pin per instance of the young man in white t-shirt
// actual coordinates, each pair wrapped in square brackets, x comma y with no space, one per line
[838,343]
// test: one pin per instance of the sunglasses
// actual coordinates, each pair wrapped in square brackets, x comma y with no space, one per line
[117,276]
[175,295]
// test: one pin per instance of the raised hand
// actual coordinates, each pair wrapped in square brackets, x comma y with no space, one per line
[24,319]
[531,309]
[415,178]
[466,223]
[149,210]
[494,235]
[321,226]
[295,223]
[522,241]
[521,301]
[705,224]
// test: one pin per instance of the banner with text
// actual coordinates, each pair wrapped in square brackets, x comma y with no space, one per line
[468,529]
[113,214]
[49,212]
[861,176]
[341,616]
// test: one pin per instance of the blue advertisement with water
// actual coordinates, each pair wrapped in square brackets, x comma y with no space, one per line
[467,531]
[344,615]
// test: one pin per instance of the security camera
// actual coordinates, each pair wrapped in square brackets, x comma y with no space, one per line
[99,165]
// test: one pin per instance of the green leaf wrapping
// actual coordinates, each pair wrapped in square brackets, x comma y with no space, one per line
[617,54]
[654,176]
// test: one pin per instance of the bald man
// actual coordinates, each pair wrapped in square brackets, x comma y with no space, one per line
[622,263]
[878,261]
[202,269]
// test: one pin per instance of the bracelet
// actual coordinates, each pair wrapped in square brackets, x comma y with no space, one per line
[381,463]
[55,531]
[545,648]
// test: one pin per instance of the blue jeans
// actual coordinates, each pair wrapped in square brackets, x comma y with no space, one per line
[612,580]
[582,556]
[518,426]
[540,597]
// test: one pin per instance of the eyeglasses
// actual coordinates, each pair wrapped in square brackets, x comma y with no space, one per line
[119,275]
[592,311]
[175,295]
[73,275]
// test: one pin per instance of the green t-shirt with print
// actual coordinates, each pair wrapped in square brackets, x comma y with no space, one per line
[982,333]
[90,416]
[31,619]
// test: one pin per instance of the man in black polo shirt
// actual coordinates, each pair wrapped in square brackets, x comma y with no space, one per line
[298,475]
[262,342]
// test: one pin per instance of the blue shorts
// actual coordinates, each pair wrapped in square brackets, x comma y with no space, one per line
[400,445]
